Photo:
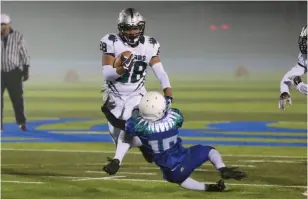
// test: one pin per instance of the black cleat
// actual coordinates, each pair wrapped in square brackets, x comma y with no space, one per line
[145,156]
[113,166]
[23,127]
[232,173]
[218,187]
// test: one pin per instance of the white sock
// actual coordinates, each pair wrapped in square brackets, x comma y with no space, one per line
[122,147]
[192,184]
[216,159]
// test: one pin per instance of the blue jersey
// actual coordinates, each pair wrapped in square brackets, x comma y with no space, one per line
[161,143]
[159,138]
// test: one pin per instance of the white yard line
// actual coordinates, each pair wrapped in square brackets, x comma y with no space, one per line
[235,165]
[108,152]
[232,184]
[101,178]
[127,173]
[64,177]
[21,182]
[274,161]
[81,178]
[68,177]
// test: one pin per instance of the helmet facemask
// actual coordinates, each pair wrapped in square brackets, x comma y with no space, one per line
[131,26]
[131,33]
[302,42]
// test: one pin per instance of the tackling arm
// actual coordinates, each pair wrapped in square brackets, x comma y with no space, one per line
[117,123]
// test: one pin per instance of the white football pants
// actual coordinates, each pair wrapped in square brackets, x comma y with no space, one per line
[124,106]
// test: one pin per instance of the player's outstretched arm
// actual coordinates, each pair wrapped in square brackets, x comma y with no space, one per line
[117,123]
[162,76]
[286,83]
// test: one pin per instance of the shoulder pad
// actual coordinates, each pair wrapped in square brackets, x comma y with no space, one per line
[152,41]
[107,43]
[110,38]
[155,44]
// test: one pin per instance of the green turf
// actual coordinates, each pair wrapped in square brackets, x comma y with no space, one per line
[61,170]
[72,170]
[300,125]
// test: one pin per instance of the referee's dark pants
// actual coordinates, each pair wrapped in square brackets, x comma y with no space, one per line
[12,81]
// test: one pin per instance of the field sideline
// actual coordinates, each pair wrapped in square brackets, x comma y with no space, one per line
[68,143]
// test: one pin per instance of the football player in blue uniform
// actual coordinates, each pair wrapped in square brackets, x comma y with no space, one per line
[157,127]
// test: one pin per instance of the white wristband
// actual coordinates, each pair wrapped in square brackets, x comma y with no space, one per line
[110,73]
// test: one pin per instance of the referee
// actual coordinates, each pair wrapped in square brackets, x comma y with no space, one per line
[14,69]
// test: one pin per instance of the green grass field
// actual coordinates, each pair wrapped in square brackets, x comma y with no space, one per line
[72,170]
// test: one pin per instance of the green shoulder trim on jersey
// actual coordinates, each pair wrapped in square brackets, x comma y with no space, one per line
[179,119]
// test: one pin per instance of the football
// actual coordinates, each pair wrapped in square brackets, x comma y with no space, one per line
[118,61]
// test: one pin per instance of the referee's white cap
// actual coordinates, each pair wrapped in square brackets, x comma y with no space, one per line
[5,19]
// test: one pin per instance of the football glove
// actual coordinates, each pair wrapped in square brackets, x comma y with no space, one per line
[25,73]
[169,100]
[284,99]
[128,62]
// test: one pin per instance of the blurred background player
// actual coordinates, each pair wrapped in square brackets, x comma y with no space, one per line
[125,85]
[157,128]
[293,76]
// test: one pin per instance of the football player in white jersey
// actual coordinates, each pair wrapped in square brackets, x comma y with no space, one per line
[294,75]
[125,85]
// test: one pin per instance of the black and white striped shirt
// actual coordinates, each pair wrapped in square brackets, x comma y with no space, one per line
[14,52]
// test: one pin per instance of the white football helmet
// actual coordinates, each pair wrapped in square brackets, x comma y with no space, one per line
[153,106]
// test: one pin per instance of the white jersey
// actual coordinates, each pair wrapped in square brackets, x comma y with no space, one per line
[133,80]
